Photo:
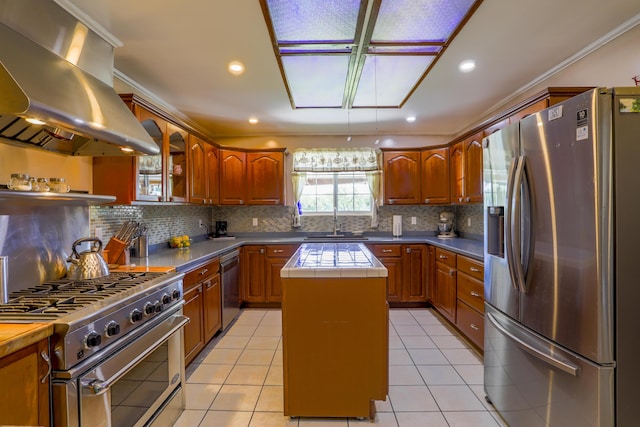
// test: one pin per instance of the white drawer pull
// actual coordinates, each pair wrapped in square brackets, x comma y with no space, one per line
[475,294]
[474,327]
[386,251]
[475,270]
[443,257]
[278,251]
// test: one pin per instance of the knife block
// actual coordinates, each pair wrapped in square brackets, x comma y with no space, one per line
[115,252]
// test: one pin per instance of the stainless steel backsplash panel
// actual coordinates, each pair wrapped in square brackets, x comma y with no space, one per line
[37,241]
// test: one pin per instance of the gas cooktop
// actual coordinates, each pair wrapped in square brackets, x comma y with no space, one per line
[63,296]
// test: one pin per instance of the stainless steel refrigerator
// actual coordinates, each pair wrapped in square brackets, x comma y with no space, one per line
[562,265]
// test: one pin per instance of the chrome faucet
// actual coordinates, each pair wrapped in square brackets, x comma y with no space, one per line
[335,222]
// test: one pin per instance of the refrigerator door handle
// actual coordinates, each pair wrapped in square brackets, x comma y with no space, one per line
[516,224]
[508,229]
[563,365]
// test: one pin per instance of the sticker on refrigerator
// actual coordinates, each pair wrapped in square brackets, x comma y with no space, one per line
[581,117]
[554,113]
[582,133]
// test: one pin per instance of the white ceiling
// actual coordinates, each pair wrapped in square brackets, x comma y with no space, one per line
[177,52]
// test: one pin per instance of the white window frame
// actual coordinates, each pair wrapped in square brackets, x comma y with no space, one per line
[335,197]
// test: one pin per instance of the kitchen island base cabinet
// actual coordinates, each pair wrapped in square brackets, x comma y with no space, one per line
[24,390]
[335,346]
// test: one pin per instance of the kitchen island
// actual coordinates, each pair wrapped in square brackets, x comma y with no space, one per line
[335,331]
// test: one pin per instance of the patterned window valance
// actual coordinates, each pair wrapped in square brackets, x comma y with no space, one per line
[336,160]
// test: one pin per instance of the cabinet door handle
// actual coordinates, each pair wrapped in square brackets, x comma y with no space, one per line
[468,199]
[46,358]
[386,251]
[204,201]
[426,200]
[278,251]
[474,327]
[408,250]
[242,202]
[261,251]
[208,283]
[203,271]
[451,272]
[460,199]
[475,294]
[475,270]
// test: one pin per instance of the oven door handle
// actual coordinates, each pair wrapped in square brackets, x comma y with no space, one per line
[99,387]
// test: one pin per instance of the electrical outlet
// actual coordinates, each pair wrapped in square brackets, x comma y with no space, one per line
[199,223]
[469,222]
[255,222]
[413,220]
[98,233]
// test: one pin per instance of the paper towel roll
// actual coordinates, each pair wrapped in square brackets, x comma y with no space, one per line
[397,225]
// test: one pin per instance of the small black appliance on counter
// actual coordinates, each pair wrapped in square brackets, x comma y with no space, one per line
[221,229]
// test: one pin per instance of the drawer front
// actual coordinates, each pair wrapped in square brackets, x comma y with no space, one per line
[386,250]
[471,324]
[471,291]
[202,272]
[446,257]
[281,251]
[471,267]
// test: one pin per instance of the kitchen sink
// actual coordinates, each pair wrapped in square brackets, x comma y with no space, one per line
[337,237]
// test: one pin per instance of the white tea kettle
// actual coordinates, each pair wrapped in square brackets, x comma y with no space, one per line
[88,264]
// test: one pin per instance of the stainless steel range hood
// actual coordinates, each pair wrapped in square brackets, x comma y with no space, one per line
[55,69]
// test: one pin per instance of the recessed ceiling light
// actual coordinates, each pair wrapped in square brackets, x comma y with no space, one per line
[466,66]
[236,68]
[253,120]
[411,119]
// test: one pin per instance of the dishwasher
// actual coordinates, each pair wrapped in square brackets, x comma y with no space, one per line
[230,271]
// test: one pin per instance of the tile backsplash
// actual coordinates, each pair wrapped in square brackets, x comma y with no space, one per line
[165,221]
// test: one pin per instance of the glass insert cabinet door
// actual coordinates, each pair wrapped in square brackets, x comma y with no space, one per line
[150,180]
[177,164]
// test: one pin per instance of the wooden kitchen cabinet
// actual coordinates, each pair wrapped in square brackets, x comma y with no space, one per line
[431,273]
[466,170]
[445,284]
[202,305]
[470,299]
[406,266]
[414,269]
[25,385]
[261,265]
[203,158]
[253,273]
[435,176]
[402,177]
[265,178]
[233,182]
[251,178]
[212,307]
[159,178]
[194,330]
[391,257]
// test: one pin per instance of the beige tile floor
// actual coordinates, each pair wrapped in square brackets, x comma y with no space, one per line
[435,379]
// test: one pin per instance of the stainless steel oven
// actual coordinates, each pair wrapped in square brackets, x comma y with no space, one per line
[128,386]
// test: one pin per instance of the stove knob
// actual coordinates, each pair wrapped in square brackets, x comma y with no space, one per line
[175,294]
[135,316]
[112,329]
[166,299]
[149,309]
[93,339]
[158,306]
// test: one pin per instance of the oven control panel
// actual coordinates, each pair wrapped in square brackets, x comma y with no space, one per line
[114,325]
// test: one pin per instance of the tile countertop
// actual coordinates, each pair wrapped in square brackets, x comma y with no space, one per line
[185,259]
[333,260]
